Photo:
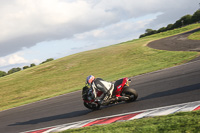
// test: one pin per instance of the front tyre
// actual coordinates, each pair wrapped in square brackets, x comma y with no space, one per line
[91,106]
[131,93]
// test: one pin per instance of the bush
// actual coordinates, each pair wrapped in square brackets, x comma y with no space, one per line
[32,65]
[50,59]
[2,73]
[196,16]
[13,70]
[25,67]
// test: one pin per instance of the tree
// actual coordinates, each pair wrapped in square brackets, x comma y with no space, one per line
[187,19]
[169,27]
[150,32]
[32,65]
[25,67]
[50,59]
[142,35]
[177,24]
[162,29]
[196,16]
[13,70]
[2,73]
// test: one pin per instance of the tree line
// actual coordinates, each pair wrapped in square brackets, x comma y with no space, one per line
[13,70]
[183,21]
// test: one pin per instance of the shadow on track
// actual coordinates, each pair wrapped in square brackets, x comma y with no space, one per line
[172,92]
[52,118]
[190,32]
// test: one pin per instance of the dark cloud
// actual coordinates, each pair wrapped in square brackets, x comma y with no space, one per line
[33,24]
[173,12]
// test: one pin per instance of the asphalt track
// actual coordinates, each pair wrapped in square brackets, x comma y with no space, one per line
[170,86]
[177,43]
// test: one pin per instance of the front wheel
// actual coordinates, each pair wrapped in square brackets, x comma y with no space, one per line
[131,93]
[91,106]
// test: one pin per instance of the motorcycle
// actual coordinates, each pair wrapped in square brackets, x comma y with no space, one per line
[121,92]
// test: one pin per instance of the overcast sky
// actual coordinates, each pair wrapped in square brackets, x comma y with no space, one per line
[35,30]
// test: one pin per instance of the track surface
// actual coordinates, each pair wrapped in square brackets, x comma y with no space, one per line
[161,88]
[177,43]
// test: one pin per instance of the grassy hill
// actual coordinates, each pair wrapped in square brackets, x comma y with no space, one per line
[69,73]
[195,36]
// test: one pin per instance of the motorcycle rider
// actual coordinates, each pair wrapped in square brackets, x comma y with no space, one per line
[101,85]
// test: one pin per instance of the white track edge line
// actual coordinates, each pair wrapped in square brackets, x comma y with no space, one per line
[146,110]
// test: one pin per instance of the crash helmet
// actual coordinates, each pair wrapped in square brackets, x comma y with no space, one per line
[90,79]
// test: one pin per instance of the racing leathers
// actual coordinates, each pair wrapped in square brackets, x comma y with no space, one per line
[103,86]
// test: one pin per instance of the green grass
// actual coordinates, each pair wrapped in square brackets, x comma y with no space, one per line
[184,122]
[195,36]
[69,73]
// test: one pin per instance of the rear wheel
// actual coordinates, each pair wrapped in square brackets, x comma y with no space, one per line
[131,93]
[91,106]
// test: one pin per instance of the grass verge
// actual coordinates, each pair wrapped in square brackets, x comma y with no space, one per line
[195,36]
[183,122]
[68,74]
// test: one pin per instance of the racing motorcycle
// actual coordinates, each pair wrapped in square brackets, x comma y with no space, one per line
[121,92]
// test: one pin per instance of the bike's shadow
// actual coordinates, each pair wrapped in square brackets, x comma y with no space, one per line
[54,118]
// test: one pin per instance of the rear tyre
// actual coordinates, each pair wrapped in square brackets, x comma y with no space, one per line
[131,93]
[91,106]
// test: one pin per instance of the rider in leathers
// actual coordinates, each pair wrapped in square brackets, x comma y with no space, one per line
[100,84]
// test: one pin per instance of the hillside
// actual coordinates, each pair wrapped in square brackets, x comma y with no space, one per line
[68,74]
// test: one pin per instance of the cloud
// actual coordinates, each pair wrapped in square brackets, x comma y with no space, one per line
[14,59]
[116,33]
[172,11]
[24,23]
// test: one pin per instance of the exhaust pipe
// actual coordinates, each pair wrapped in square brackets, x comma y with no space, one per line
[122,98]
